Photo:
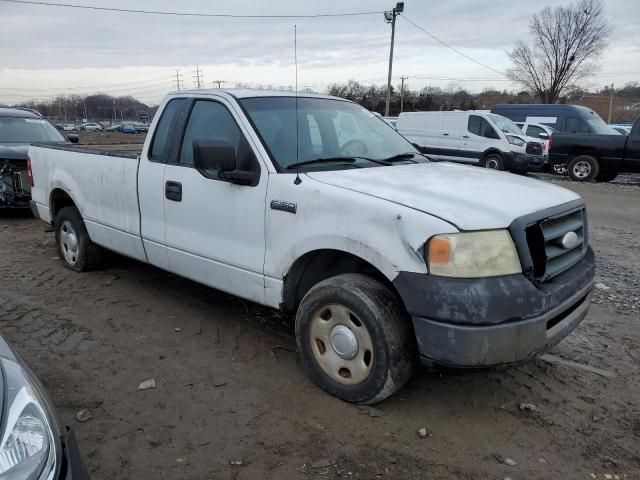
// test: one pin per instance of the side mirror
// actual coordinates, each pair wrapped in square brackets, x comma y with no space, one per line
[73,138]
[543,135]
[214,154]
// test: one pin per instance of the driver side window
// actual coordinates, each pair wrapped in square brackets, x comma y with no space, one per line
[209,120]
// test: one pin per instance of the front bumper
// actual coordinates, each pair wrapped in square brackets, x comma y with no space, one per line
[492,322]
[524,161]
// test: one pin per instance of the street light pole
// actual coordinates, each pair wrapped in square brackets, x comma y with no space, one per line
[390,17]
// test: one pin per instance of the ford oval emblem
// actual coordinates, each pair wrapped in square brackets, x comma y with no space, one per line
[570,240]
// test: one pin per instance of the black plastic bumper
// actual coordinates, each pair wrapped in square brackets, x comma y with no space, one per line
[523,161]
[73,468]
[489,322]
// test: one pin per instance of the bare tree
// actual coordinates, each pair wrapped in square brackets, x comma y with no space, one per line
[567,42]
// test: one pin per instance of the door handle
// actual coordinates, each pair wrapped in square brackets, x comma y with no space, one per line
[445,134]
[173,191]
[465,136]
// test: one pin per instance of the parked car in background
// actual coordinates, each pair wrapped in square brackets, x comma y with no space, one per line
[597,157]
[68,127]
[563,118]
[479,138]
[33,442]
[128,128]
[114,128]
[385,257]
[92,127]
[18,129]
[622,128]
[391,121]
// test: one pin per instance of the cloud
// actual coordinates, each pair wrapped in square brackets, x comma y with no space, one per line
[68,46]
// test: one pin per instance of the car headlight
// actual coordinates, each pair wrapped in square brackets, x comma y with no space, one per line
[515,140]
[28,447]
[473,254]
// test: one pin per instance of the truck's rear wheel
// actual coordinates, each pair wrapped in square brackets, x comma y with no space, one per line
[76,249]
[583,168]
[355,341]
[493,161]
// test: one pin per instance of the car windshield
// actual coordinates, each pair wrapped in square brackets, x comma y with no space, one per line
[333,131]
[504,124]
[28,130]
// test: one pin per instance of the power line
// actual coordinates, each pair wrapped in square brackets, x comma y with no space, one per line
[185,14]
[450,47]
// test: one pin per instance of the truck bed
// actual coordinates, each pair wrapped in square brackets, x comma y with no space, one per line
[103,184]
[127,150]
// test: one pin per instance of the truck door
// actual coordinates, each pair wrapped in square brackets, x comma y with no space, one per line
[166,137]
[631,162]
[215,230]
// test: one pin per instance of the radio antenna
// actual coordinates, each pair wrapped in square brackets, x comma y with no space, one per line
[298,180]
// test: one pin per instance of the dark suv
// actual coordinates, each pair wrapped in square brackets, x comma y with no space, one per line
[18,129]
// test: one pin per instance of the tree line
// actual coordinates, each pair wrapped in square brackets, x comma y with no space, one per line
[98,107]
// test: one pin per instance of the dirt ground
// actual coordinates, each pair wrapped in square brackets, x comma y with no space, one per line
[231,400]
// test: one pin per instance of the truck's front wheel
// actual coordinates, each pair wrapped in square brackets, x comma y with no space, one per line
[583,168]
[76,249]
[354,339]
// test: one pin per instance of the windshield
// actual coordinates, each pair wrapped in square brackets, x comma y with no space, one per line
[327,129]
[504,124]
[28,130]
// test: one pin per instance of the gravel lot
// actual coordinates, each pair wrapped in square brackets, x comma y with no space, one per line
[231,400]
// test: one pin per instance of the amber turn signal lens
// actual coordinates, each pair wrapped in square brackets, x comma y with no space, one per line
[439,249]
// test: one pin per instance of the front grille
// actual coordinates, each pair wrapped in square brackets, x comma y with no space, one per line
[545,240]
[534,148]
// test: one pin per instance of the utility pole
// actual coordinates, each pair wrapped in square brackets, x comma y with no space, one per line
[219,82]
[390,17]
[402,79]
[115,115]
[198,77]
[610,103]
[179,81]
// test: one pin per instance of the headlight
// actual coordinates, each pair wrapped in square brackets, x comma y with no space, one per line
[28,446]
[515,140]
[473,254]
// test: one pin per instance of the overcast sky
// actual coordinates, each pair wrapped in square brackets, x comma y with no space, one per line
[46,50]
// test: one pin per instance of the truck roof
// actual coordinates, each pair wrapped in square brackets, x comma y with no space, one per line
[18,112]
[253,92]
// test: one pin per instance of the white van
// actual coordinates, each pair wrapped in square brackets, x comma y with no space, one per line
[485,139]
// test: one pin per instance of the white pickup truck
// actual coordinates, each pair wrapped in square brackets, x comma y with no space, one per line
[386,258]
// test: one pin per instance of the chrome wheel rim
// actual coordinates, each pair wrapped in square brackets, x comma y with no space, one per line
[341,344]
[69,243]
[582,169]
[492,163]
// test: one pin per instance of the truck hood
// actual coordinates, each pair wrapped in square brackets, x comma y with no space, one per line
[470,198]
[14,151]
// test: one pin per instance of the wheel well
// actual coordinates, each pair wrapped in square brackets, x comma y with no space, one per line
[576,152]
[59,200]
[318,265]
[489,152]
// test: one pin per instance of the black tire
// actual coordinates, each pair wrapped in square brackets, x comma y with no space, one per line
[583,168]
[391,337]
[493,161]
[606,176]
[87,256]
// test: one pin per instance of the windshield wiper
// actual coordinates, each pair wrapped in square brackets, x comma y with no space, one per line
[400,156]
[348,160]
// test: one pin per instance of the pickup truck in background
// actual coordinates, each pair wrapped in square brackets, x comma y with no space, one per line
[596,157]
[385,258]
